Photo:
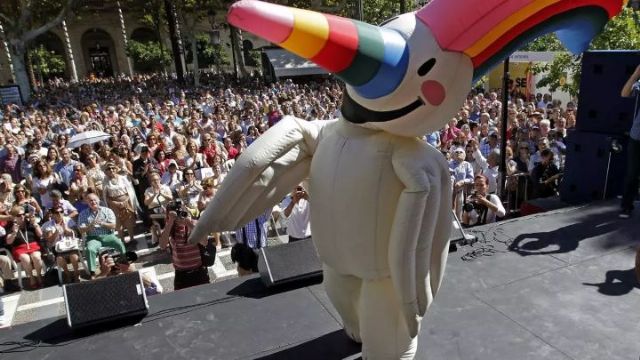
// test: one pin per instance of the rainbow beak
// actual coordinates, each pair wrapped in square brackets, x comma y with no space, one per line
[372,59]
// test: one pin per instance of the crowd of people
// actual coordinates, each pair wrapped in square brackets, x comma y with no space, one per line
[171,147]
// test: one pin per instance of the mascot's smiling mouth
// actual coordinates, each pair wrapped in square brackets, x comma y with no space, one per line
[356,113]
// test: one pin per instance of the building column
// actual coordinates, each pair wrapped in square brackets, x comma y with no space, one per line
[72,60]
[8,52]
[124,37]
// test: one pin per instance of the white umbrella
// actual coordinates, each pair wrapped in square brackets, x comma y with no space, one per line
[87,137]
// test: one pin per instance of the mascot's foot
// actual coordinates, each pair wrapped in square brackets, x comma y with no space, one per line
[355,336]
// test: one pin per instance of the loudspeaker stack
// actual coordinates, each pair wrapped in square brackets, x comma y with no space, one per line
[604,118]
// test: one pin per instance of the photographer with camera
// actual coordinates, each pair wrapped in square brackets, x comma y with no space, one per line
[113,263]
[481,207]
[296,211]
[185,257]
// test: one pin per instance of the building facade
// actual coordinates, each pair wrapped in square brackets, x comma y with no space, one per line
[96,42]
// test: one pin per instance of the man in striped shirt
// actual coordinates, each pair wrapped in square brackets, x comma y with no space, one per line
[186,259]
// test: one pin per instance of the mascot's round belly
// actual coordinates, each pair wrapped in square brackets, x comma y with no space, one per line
[354,194]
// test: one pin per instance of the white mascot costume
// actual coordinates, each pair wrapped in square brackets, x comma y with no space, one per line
[381,197]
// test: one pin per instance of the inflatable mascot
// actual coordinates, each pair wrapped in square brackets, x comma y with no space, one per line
[381,197]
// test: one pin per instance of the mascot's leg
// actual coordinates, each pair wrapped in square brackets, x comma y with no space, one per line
[344,293]
[383,329]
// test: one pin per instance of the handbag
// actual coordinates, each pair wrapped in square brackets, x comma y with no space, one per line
[207,253]
[67,244]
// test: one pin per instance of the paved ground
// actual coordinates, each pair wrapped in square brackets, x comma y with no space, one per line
[26,306]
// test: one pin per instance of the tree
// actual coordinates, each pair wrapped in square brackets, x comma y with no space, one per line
[209,54]
[621,33]
[147,56]
[25,20]
[46,63]
[190,14]
[151,15]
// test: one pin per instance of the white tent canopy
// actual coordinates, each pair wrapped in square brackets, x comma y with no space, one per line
[288,64]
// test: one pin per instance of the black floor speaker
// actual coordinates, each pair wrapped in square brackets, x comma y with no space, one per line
[290,262]
[109,299]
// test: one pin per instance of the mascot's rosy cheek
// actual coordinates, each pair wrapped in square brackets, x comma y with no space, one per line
[434,92]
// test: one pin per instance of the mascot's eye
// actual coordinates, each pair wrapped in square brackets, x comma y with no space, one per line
[426,67]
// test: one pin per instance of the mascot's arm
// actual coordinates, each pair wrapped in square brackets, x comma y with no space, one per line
[264,173]
[418,245]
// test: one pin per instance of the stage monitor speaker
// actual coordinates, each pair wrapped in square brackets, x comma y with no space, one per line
[112,298]
[593,161]
[601,109]
[289,262]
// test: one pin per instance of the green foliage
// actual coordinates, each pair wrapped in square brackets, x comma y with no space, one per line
[47,63]
[547,42]
[621,33]
[208,54]
[558,72]
[148,57]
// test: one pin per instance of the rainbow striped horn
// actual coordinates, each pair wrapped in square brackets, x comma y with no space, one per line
[371,59]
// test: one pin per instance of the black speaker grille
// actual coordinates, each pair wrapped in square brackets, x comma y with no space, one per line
[105,299]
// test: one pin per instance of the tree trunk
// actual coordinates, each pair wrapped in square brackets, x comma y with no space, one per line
[239,58]
[196,64]
[18,55]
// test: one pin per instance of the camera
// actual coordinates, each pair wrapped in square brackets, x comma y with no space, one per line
[471,203]
[117,256]
[176,206]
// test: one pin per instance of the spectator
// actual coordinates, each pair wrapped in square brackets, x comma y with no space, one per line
[98,223]
[23,197]
[44,180]
[297,212]
[461,176]
[109,267]
[190,190]
[481,207]
[53,156]
[543,144]
[94,171]
[119,196]
[156,197]
[57,201]
[250,237]
[173,177]
[185,257]
[545,175]
[58,229]
[6,187]
[490,144]
[160,161]
[64,168]
[79,186]
[11,162]
[193,160]
[24,237]
[6,275]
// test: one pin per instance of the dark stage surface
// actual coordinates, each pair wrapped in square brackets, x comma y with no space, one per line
[567,291]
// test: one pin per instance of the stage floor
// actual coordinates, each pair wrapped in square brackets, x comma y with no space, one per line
[566,291]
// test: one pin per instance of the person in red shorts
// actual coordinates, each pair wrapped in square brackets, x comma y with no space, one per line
[24,235]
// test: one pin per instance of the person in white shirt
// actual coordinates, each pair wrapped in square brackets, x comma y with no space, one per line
[296,211]
[172,177]
[481,207]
